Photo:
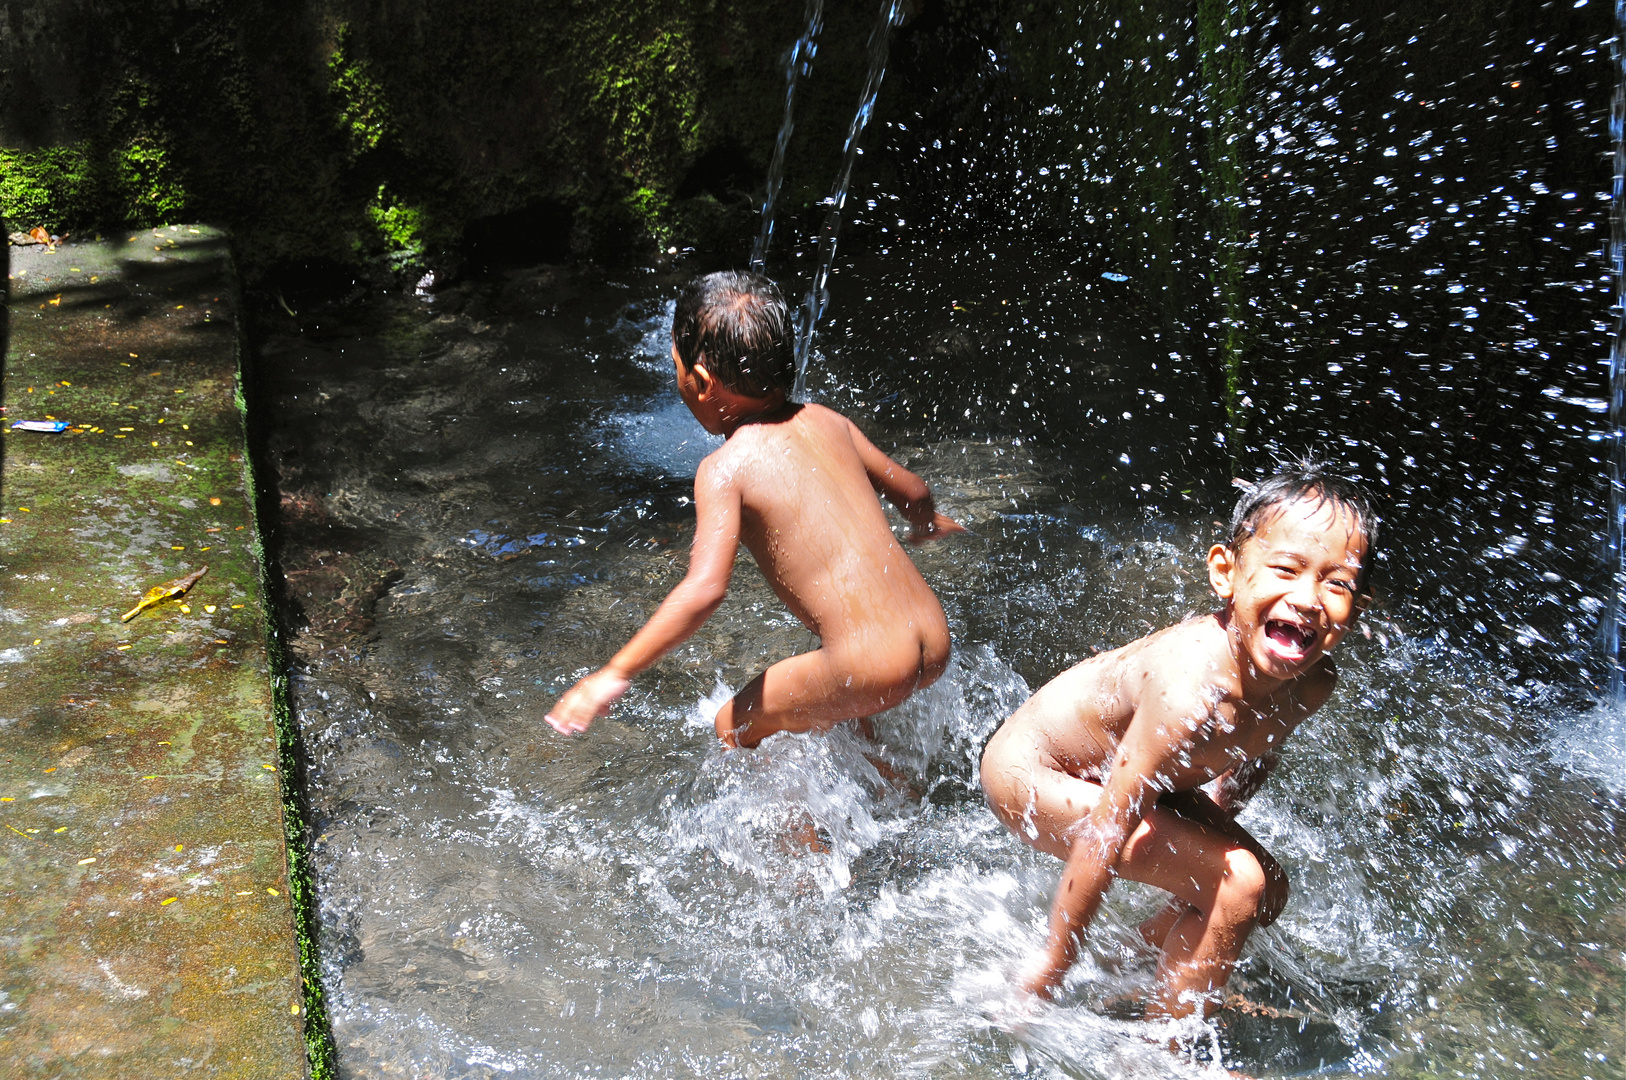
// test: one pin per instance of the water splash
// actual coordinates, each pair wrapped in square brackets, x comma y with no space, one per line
[818,294]
[1615,528]
[798,63]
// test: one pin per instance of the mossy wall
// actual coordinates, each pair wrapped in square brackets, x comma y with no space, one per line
[341,130]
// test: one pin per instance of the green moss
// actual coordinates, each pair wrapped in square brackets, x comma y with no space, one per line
[50,187]
[72,188]
[281,122]
[400,227]
[644,92]
[319,1048]
[147,185]
[363,113]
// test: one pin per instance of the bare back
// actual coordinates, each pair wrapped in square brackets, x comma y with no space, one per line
[810,516]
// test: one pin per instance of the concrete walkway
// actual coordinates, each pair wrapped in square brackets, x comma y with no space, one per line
[144,897]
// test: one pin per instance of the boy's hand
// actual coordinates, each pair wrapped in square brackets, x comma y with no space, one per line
[1047,977]
[585,702]
[939,526]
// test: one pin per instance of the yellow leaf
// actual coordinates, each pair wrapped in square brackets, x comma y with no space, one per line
[166,903]
[273,892]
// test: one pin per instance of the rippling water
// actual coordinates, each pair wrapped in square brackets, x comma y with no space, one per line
[484,495]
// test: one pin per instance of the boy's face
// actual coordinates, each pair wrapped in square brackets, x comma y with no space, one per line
[1290,589]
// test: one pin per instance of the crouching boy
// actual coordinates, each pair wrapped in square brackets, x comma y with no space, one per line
[1103,767]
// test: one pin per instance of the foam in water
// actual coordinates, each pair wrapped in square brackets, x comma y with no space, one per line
[1593,744]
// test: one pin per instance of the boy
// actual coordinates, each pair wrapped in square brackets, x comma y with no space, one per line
[1103,766]
[797,483]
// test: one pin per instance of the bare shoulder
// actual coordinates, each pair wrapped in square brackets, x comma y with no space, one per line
[824,419]
[720,468]
[1186,667]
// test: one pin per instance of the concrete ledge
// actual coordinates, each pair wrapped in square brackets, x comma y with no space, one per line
[149,926]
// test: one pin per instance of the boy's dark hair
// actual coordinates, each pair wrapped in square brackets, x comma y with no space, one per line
[739,324]
[1310,479]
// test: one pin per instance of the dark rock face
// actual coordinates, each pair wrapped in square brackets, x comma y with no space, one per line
[430,133]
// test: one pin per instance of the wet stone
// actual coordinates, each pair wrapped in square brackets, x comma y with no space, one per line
[143,876]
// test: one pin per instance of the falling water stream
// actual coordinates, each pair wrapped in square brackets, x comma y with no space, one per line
[818,293]
[798,62]
[1614,552]
[484,495]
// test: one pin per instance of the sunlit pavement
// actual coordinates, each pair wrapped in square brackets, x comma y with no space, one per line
[144,897]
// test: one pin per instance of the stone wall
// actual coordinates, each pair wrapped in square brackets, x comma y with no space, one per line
[417,131]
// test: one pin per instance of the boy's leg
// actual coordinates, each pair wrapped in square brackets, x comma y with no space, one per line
[817,690]
[1219,880]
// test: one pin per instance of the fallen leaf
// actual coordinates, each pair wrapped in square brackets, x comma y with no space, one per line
[166,903]
[159,593]
[87,862]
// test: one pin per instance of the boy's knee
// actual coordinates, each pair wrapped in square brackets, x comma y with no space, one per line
[1277,890]
[1242,891]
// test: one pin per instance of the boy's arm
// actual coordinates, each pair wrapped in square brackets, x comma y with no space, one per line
[904,490]
[1132,788]
[1235,788]
[1242,783]
[686,607]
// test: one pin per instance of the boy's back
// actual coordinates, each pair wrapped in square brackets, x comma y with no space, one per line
[797,484]
[804,481]
[810,517]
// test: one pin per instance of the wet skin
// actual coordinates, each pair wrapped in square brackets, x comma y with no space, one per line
[797,484]
[1101,767]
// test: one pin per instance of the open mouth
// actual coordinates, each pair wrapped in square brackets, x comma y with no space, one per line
[1290,639]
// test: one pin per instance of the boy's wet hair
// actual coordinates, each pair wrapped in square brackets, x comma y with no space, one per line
[739,325]
[1305,479]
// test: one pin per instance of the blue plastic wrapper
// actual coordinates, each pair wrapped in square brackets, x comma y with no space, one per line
[51,426]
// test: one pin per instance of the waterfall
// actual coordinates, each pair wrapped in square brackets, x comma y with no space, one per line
[818,295]
[799,62]
[1615,530]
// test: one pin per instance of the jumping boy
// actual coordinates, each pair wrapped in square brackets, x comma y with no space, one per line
[1102,768]
[797,483]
